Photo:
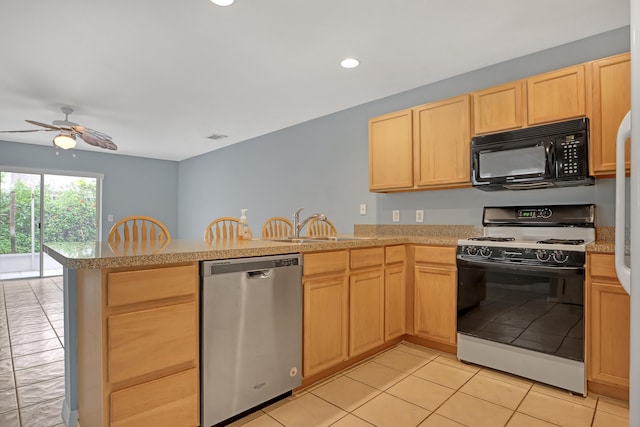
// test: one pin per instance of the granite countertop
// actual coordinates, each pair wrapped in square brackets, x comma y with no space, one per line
[99,255]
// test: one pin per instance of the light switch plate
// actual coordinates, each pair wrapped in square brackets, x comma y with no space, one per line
[396,216]
[419,215]
[363,209]
[110,217]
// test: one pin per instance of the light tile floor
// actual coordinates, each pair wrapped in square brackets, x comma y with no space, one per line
[410,385]
[31,352]
[407,385]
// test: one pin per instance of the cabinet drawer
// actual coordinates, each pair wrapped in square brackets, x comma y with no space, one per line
[369,257]
[393,254]
[325,262]
[130,287]
[602,265]
[170,401]
[435,254]
[146,341]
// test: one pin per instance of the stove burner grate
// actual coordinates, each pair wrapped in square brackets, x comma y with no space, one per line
[561,241]
[493,239]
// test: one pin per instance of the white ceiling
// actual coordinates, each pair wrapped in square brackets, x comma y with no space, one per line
[160,76]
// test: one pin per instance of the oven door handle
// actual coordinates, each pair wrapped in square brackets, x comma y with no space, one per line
[560,271]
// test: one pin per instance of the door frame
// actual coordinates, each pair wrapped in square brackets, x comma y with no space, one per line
[42,172]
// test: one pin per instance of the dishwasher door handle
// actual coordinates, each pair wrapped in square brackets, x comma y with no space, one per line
[260,274]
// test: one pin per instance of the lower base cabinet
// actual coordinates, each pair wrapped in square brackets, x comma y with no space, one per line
[366,300]
[607,327]
[435,282]
[168,401]
[325,312]
[138,346]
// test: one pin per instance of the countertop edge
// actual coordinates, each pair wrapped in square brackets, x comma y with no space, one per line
[257,248]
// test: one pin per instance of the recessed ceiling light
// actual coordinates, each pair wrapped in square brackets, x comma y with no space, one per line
[222,2]
[350,63]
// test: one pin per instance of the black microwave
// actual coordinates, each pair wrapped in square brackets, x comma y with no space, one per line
[554,155]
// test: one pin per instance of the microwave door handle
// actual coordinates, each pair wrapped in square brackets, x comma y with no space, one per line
[528,186]
[551,157]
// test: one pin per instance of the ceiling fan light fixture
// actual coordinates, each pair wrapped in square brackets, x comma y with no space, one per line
[64,140]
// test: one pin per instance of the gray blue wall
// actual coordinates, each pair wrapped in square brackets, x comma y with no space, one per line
[131,185]
[322,164]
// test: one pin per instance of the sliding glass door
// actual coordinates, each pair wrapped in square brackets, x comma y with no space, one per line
[38,208]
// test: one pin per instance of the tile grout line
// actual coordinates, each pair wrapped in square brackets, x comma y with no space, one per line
[13,370]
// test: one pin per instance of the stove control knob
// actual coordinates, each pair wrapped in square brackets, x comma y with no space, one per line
[545,213]
[560,257]
[472,250]
[542,255]
[485,252]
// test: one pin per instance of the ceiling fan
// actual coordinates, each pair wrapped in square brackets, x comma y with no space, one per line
[68,131]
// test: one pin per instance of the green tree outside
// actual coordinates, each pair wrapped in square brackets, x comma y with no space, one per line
[69,216]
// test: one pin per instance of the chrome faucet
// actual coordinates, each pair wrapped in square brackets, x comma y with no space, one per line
[297,225]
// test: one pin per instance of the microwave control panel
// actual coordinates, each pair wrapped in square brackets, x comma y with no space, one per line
[572,160]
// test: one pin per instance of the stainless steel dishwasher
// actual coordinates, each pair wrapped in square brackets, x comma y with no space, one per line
[251,333]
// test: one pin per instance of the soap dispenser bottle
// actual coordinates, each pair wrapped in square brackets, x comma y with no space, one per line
[243,232]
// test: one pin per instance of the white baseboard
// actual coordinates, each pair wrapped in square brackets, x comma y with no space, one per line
[70,417]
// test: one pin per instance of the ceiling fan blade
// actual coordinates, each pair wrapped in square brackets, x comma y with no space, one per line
[33,122]
[95,138]
[30,130]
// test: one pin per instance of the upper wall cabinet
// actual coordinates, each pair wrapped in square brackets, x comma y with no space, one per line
[610,101]
[557,95]
[545,98]
[423,148]
[391,151]
[442,131]
[499,108]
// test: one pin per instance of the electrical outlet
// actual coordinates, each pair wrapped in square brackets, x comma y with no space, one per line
[363,209]
[396,216]
[110,217]
[420,215]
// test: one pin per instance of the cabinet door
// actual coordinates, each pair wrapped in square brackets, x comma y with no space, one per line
[443,134]
[391,151]
[611,99]
[394,302]
[557,95]
[167,402]
[147,341]
[608,317]
[325,329]
[498,108]
[435,303]
[366,311]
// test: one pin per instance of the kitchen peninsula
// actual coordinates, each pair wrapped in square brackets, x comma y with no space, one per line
[134,309]
[134,355]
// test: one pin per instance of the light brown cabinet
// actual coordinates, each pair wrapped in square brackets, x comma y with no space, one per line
[435,282]
[138,345]
[556,95]
[499,108]
[442,131]
[610,101]
[423,148]
[391,151]
[366,300]
[550,97]
[325,310]
[394,292]
[607,314]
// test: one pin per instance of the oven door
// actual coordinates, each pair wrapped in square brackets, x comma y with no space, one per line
[534,307]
